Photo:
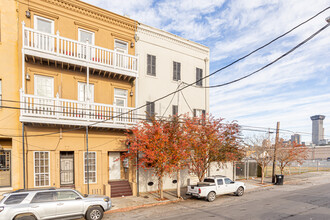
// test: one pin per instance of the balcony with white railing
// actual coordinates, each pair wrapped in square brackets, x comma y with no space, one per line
[61,49]
[44,110]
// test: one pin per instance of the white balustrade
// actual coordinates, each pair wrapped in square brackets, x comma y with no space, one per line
[65,109]
[64,47]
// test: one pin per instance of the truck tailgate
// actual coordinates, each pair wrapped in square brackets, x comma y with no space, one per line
[193,189]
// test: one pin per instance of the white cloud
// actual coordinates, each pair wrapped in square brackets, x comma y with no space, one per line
[290,91]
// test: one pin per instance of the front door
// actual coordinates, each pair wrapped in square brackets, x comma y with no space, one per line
[114,165]
[5,168]
[67,168]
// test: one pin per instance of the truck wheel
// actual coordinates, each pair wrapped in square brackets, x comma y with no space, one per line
[94,213]
[211,196]
[240,191]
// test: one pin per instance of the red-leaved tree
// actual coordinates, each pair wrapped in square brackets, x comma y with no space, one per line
[210,140]
[160,145]
[287,153]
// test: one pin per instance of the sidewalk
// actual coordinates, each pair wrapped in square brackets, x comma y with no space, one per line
[123,204]
[148,199]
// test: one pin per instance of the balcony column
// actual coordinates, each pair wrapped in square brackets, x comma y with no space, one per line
[87,83]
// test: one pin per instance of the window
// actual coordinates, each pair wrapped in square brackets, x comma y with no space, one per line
[198,112]
[41,168]
[44,86]
[120,98]
[176,71]
[42,41]
[84,36]
[66,195]
[151,65]
[220,182]
[199,76]
[121,46]
[15,199]
[43,197]
[174,109]
[91,175]
[82,92]
[208,180]
[150,110]
[43,24]
[227,181]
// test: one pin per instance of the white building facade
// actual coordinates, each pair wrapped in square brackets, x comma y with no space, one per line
[166,63]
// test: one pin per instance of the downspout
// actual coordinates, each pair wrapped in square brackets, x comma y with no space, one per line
[23,155]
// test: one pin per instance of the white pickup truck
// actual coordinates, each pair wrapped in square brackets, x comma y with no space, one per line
[216,185]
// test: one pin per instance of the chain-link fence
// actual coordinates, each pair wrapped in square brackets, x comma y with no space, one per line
[249,168]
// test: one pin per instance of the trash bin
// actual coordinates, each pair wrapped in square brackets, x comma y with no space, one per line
[279,179]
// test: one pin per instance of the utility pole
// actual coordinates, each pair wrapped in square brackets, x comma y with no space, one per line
[275,150]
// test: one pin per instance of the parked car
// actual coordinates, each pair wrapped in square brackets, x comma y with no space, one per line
[328,159]
[216,185]
[52,203]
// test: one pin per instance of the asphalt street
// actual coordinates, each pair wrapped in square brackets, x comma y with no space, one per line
[310,200]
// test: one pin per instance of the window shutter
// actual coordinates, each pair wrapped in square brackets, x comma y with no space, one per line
[174,71]
[179,71]
[195,113]
[152,109]
[149,65]
[174,109]
[153,67]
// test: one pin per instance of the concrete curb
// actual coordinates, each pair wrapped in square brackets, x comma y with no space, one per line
[142,206]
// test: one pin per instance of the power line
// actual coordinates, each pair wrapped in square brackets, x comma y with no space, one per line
[271,63]
[191,84]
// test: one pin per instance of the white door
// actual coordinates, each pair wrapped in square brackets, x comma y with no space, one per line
[121,47]
[120,100]
[85,36]
[83,109]
[44,90]
[230,187]
[114,166]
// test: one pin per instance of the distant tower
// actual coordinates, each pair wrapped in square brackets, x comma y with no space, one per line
[295,138]
[317,129]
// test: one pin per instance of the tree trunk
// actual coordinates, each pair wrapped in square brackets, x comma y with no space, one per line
[160,187]
[178,185]
[262,175]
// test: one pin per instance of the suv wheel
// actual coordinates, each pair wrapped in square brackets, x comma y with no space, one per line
[25,217]
[94,213]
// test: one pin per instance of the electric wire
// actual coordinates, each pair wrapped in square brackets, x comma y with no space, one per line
[225,67]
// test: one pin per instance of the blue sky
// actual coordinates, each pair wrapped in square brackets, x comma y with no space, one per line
[290,91]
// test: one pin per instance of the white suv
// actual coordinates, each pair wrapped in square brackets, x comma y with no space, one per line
[52,203]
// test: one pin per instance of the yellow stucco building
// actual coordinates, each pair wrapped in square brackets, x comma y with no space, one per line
[68,79]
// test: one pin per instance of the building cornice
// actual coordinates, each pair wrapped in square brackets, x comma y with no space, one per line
[94,12]
[160,34]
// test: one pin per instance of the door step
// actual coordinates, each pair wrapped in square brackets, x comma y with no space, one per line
[120,188]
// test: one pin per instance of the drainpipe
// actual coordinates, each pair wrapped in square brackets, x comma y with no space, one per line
[87,160]
[23,155]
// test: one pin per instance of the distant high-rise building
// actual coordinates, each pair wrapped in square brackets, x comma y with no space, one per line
[295,138]
[317,129]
